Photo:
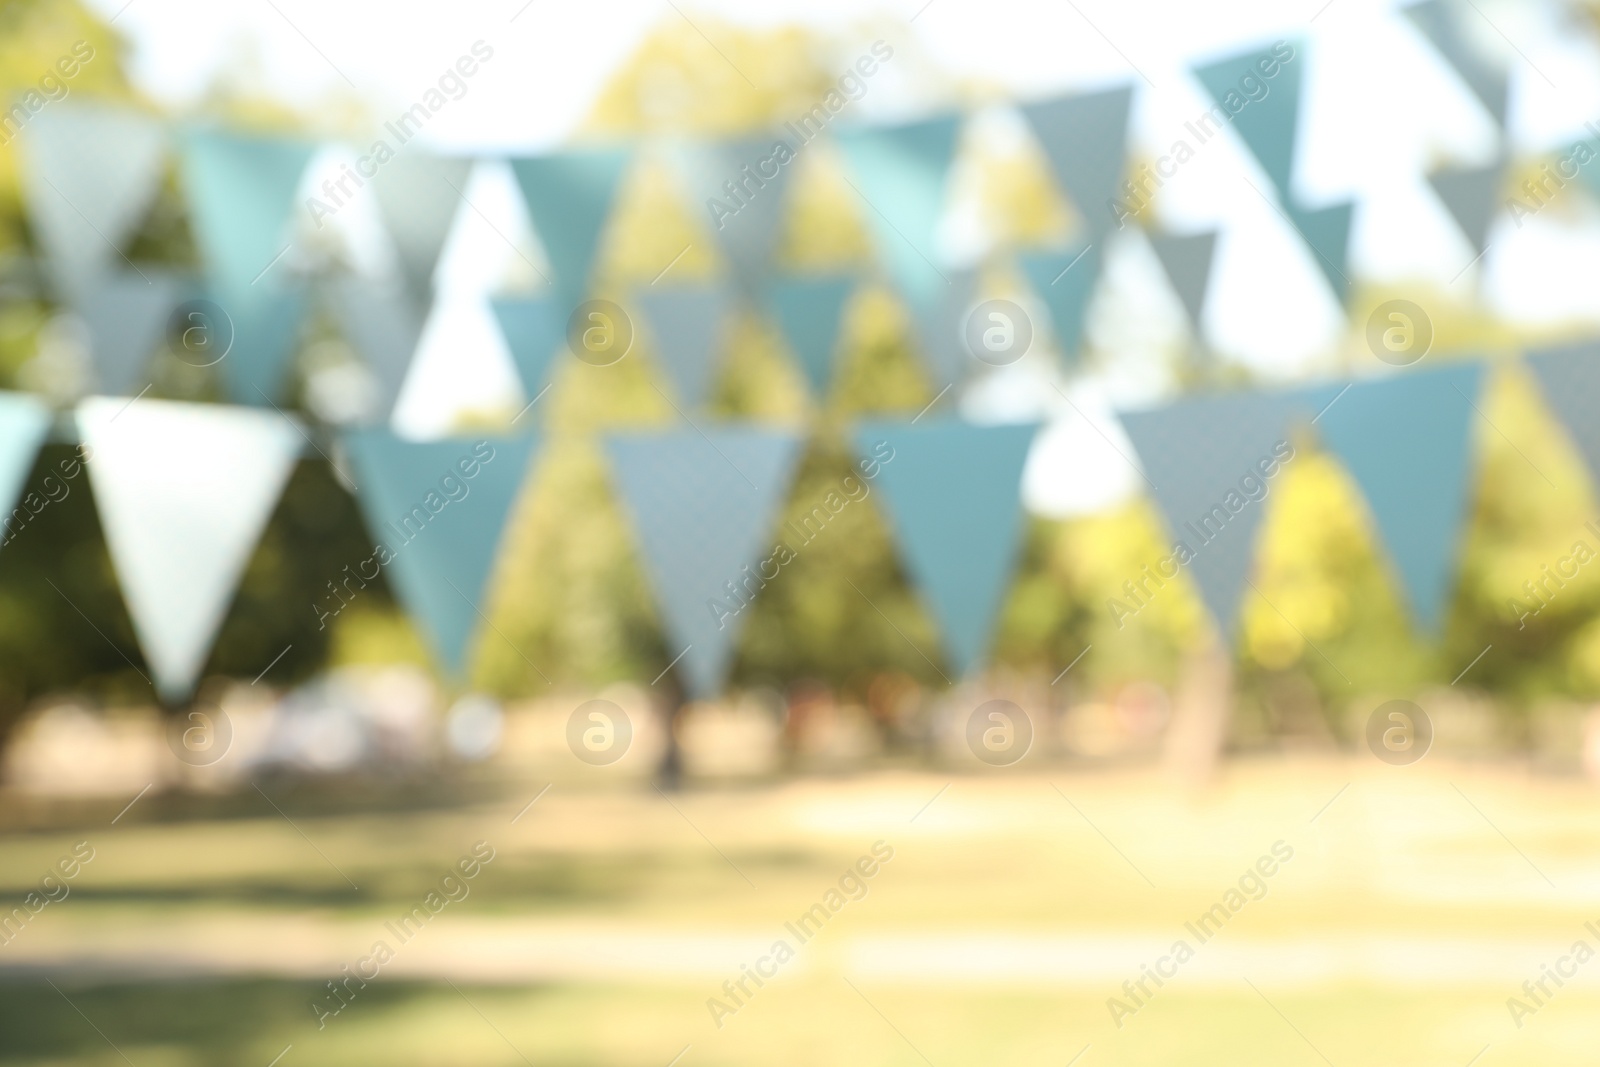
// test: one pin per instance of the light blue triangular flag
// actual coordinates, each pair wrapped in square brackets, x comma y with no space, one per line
[437,510]
[688,327]
[569,197]
[900,172]
[1065,281]
[748,221]
[265,320]
[1471,195]
[1197,455]
[808,310]
[1326,231]
[1187,259]
[1085,138]
[90,173]
[533,330]
[1268,125]
[241,193]
[383,325]
[418,196]
[1407,442]
[940,328]
[1569,378]
[954,496]
[703,507]
[1440,21]
[126,315]
[24,424]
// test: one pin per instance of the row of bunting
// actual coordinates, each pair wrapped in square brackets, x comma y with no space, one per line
[91,174]
[181,521]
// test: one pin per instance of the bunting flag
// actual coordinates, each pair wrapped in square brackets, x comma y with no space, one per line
[1268,124]
[902,171]
[436,511]
[1211,463]
[126,316]
[1085,137]
[808,310]
[1440,22]
[687,323]
[532,328]
[1065,281]
[90,174]
[1187,259]
[265,321]
[746,219]
[954,496]
[569,197]
[1569,378]
[383,325]
[24,424]
[940,328]
[1471,195]
[1406,440]
[703,506]
[418,196]
[183,492]
[241,193]
[1326,231]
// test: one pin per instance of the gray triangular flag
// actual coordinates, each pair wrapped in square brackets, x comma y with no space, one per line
[747,219]
[688,326]
[382,324]
[1471,194]
[126,316]
[90,173]
[1187,258]
[1440,22]
[1086,139]
[418,196]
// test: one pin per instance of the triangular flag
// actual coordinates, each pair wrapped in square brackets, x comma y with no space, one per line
[1085,138]
[688,325]
[940,328]
[1187,259]
[954,496]
[1440,22]
[266,321]
[418,196]
[569,197]
[383,325]
[437,510]
[1326,231]
[703,506]
[90,174]
[808,310]
[748,221]
[901,171]
[1065,282]
[1269,124]
[532,328]
[1472,195]
[241,191]
[1202,456]
[183,492]
[126,315]
[24,424]
[1569,378]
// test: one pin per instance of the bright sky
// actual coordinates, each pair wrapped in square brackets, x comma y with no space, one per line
[1380,110]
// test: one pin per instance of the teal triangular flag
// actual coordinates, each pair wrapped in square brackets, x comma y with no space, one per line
[1085,138]
[24,424]
[90,173]
[241,192]
[1407,442]
[266,321]
[569,197]
[1268,125]
[418,196]
[1440,22]
[703,506]
[1211,462]
[900,172]
[383,325]
[688,326]
[1065,282]
[954,496]
[1326,231]
[747,221]
[533,331]
[808,310]
[1569,378]
[1472,195]
[1187,258]
[126,316]
[437,510]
